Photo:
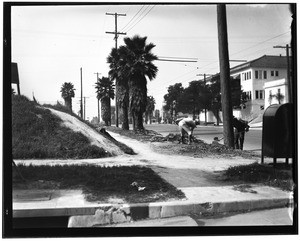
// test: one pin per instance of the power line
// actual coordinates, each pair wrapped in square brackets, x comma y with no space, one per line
[141,18]
[176,60]
[132,18]
[261,42]
[137,18]
[177,57]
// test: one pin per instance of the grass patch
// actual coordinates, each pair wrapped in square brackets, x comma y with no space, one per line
[36,133]
[101,183]
[279,176]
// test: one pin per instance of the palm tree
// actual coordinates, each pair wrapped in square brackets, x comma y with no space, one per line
[279,97]
[150,107]
[105,92]
[67,93]
[138,66]
[117,72]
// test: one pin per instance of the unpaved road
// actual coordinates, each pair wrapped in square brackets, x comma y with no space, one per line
[180,171]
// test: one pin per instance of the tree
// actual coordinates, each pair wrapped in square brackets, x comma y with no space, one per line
[118,72]
[237,95]
[150,108]
[105,92]
[215,90]
[139,66]
[279,97]
[172,99]
[67,93]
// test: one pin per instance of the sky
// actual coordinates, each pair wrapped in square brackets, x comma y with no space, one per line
[51,43]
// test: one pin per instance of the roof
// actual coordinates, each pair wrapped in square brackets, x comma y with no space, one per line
[266,61]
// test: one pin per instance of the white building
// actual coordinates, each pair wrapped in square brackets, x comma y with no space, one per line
[259,78]
[274,88]
[257,74]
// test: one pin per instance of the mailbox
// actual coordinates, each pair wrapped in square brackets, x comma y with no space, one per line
[278,132]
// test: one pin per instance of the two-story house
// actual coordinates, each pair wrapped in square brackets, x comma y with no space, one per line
[258,74]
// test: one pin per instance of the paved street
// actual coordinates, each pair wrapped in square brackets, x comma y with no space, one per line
[278,216]
[253,138]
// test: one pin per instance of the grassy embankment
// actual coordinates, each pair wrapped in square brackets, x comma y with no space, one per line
[38,134]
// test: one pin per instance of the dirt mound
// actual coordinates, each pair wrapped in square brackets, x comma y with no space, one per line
[94,137]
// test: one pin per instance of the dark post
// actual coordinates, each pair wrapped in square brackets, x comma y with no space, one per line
[81,113]
[289,75]
[225,76]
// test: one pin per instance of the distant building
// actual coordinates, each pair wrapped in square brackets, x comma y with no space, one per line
[258,74]
[276,88]
[258,79]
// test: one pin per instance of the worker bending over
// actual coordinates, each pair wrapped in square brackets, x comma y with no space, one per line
[187,125]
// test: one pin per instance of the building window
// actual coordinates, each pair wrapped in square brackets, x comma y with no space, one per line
[272,72]
[259,94]
[265,74]
[256,74]
[249,74]
[276,73]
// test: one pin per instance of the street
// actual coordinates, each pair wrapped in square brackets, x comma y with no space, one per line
[253,137]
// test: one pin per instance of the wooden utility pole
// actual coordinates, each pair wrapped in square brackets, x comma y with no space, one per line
[289,81]
[98,99]
[225,76]
[116,33]
[81,113]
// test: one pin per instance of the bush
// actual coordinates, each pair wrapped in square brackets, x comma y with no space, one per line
[258,173]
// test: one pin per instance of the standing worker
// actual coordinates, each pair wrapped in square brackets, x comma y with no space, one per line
[187,125]
[240,127]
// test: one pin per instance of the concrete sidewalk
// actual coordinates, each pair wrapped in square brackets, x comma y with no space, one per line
[199,200]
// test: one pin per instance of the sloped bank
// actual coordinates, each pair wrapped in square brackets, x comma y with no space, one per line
[45,133]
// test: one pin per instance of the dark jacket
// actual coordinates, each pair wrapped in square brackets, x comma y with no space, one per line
[240,125]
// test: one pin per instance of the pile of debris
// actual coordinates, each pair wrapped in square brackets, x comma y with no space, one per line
[174,138]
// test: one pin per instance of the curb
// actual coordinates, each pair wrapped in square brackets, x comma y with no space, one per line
[112,214]
[133,212]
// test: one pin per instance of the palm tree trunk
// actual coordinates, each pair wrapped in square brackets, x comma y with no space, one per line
[138,122]
[125,122]
[105,111]
[68,103]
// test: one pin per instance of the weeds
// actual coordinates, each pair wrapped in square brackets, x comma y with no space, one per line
[257,173]
[100,183]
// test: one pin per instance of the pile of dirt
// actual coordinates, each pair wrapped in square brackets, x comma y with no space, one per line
[174,138]
[171,144]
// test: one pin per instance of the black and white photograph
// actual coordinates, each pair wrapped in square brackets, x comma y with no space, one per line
[140,119]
